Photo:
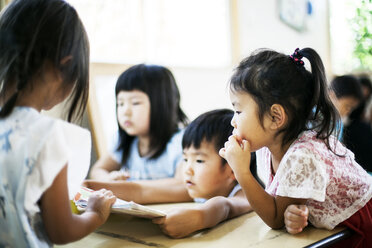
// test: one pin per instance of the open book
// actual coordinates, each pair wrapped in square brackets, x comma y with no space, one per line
[120,206]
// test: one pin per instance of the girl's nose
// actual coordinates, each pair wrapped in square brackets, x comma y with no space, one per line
[233,123]
[188,170]
[126,109]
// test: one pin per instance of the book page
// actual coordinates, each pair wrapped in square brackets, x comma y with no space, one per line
[120,206]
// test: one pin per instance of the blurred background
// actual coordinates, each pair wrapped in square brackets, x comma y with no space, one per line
[201,41]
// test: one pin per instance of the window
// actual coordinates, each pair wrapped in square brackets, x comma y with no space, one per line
[189,33]
[347,25]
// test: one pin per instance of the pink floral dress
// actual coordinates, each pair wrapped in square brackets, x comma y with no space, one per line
[336,186]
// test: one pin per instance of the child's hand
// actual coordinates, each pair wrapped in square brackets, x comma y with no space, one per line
[100,202]
[118,175]
[85,183]
[295,218]
[237,153]
[179,222]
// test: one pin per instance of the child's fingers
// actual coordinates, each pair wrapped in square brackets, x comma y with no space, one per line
[118,175]
[158,221]
[85,184]
[233,139]
[295,219]
[112,199]
[304,209]
[125,174]
[301,210]
[246,145]
[293,230]
[107,192]
[222,152]
[294,227]
[99,192]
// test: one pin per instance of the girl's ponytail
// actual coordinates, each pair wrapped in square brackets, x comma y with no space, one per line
[325,117]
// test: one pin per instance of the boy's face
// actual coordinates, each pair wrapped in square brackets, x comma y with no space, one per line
[345,104]
[204,174]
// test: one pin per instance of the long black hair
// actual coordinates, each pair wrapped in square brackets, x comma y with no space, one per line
[34,32]
[275,78]
[158,83]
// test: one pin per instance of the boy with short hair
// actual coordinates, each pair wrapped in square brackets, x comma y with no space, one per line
[207,177]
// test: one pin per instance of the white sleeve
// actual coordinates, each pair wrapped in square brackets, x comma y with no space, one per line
[262,170]
[302,175]
[79,145]
[66,144]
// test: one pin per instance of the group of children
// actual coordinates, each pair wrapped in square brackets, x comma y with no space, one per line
[287,120]
[351,95]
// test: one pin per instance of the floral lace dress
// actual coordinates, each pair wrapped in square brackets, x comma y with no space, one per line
[336,186]
[33,150]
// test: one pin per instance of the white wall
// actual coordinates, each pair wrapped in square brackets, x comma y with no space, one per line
[260,27]
[202,89]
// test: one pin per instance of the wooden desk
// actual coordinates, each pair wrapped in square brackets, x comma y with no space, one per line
[245,231]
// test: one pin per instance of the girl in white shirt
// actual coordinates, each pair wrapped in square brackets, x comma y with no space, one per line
[44,58]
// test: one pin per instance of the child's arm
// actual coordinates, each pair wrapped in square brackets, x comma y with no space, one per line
[181,222]
[107,169]
[62,226]
[147,191]
[269,208]
[295,218]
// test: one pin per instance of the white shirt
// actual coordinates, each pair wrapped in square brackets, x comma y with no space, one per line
[33,150]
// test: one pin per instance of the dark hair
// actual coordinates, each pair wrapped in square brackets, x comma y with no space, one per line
[34,32]
[359,111]
[365,81]
[213,126]
[275,78]
[158,83]
[346,86]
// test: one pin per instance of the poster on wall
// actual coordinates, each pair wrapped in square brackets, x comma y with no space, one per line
[294,13]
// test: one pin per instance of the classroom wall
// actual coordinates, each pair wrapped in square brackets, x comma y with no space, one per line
[260,26]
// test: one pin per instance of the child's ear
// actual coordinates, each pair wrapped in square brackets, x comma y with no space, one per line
[278,116]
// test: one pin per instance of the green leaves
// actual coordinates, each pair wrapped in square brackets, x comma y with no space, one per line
[361,25]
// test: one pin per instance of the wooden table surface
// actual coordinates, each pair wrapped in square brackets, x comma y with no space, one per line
[244,231]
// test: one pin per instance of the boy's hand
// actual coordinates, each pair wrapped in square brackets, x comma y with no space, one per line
[118,175]
[179,222]
[295,218]
[237,153]
[100,202]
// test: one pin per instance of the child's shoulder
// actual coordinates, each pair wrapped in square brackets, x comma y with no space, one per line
[26,120]
[310,146]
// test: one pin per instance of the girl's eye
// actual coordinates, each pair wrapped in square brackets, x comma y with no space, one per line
[120,104]
[237,112]
[185,159]
[136,103]
[199,161]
